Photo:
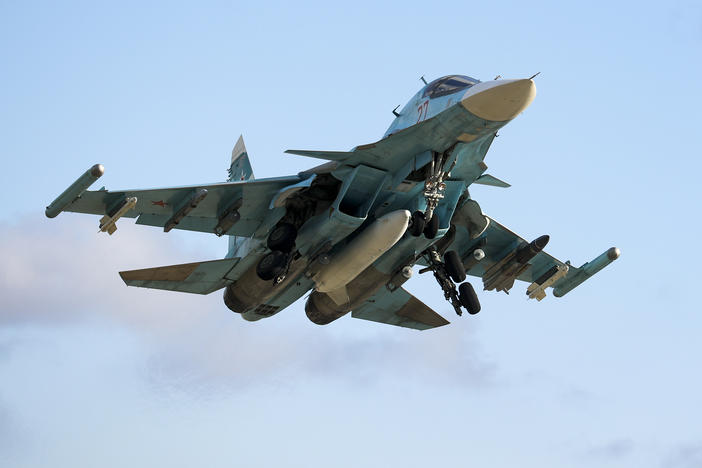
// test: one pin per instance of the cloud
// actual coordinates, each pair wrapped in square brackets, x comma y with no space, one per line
[613,450]
[66,273]
[685,456]
[10,433]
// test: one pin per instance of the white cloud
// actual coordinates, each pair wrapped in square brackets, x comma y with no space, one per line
[612,450]
[64,272]
[685,456]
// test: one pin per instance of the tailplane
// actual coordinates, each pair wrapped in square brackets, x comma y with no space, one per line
[196,278]
[240,168]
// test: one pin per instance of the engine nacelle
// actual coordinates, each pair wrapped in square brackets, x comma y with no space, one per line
[248,296]
[236,302]
[322,310]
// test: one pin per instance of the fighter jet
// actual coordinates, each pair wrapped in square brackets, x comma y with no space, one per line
[350,231]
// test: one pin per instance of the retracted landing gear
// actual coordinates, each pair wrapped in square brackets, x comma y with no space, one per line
[282,237]
[272,265]
[276,264]
[449,272]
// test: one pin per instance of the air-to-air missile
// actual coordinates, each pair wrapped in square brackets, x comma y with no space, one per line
[75,190]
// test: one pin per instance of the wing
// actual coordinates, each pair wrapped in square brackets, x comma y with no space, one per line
[391,152]
[194,208]
[509,257]
[399,308]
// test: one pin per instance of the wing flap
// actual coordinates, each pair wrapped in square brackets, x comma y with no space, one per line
[196,278]
[399,308]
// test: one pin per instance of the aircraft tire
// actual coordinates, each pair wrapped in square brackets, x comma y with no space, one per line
[431,227]
[454,266]
[417,223]
[271,265]
[282,237]
[468,298]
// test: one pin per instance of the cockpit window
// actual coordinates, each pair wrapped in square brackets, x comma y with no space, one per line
[448,85]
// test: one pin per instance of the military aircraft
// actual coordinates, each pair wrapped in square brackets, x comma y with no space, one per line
[351,229]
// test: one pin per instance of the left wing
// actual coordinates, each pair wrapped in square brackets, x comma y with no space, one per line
[194,208]
[509,257]
[399,308]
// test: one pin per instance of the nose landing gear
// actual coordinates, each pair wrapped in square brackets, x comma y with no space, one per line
[427,222]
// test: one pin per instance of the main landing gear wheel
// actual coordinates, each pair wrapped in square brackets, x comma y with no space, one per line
[468,298]
[272,265]
[432,227]
[417,223]
[282,237]
[454,266]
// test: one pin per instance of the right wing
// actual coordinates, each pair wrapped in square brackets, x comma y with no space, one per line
[159,207]
[399,308]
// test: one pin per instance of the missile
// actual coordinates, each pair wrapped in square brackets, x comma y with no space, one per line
[361,252]
[190,204]
[529,251]
[537,289]
[74,191]
[585,272]
[501,275]
[229,217]
[107,223]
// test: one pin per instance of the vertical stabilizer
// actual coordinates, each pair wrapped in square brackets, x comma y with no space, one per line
[240,168]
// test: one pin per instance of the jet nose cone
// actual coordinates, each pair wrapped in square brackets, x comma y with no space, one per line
[499,100]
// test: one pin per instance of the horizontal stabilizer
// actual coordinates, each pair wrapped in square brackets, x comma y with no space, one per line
[487,179]
[399,308]
[330,155]
[196,278]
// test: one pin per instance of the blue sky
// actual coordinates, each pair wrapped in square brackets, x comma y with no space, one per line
[93,373]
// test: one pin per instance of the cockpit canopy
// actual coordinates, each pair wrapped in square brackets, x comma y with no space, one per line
[448,85]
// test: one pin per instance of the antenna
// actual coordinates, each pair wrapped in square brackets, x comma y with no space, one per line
[422,78]
[534,76]
[497,77]
[394,111]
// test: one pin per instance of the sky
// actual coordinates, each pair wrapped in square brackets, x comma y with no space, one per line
[93,373]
